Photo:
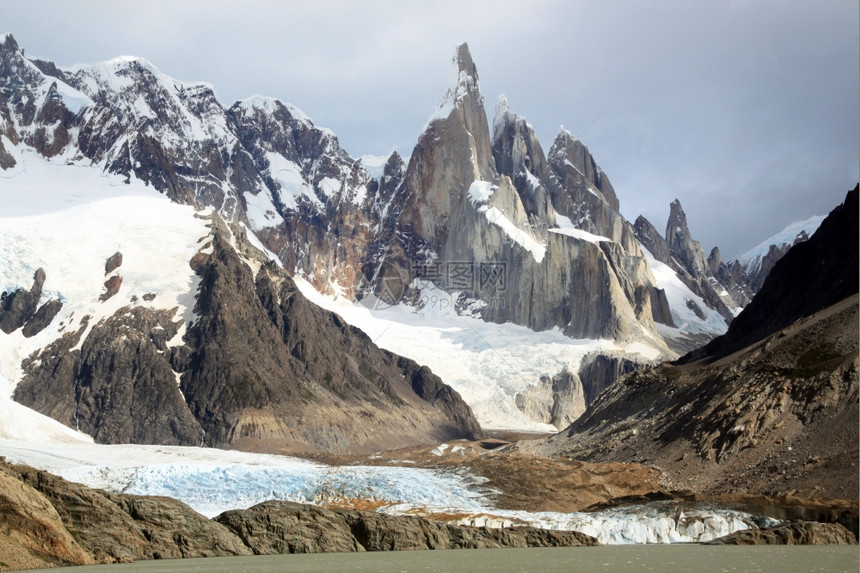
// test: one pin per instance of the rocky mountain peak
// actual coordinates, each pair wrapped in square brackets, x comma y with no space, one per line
[690,252]
[715,260]
[463,74]
[463,89]
[9,44]
[568,149]
[453,151]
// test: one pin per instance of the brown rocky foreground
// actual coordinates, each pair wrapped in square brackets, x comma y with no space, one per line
[47,521]
[797,533]
[517,480]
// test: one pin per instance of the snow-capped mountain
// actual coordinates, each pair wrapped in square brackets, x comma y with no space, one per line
[758,261]
[697,287]
[153,323]
[780,386]
[478,220]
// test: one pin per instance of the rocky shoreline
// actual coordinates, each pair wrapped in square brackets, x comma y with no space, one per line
[47,521]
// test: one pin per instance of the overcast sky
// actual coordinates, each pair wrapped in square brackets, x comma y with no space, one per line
[746,111]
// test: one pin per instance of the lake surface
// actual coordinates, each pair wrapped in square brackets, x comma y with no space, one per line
[663,558]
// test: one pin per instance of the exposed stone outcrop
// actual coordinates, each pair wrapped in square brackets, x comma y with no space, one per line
[20,308]
[796,533]
[33,532]
[47,521]
[558,400]
[109,528]
[598,371]
[283,527]
[112,286]
[651,239]
[113,262]
[688,251]
[43,316]
[17,307]
[119,387]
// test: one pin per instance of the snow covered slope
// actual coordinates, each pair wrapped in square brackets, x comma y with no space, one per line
[682,301]
[752,259]
[68,220]
[488,364]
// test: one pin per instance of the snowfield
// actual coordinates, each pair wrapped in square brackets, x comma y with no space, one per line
[487,363]
[68,220]
[677,293]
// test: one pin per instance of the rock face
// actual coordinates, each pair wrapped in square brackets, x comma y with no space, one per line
[283,527]
[681,243]
[482,203]
[21,308]
[812,276]
[557,400]
[260,368]
[119,387]
[724,288]
[771,405]
[47,521]
[797,533]
[32,530]
[115,528]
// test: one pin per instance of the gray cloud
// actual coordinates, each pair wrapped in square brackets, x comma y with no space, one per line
[745,111]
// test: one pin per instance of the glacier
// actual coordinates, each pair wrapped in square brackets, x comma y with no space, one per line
[212,481]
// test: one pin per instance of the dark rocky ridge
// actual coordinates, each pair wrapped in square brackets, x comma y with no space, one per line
[47,521]
[758,274]
[812,276]
[261,368]
[777,414]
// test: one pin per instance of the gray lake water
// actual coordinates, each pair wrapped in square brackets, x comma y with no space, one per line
[663,558]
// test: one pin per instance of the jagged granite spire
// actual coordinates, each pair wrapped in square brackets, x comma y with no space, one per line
[690,252]
[519,155]
[567,147]
[453,151]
